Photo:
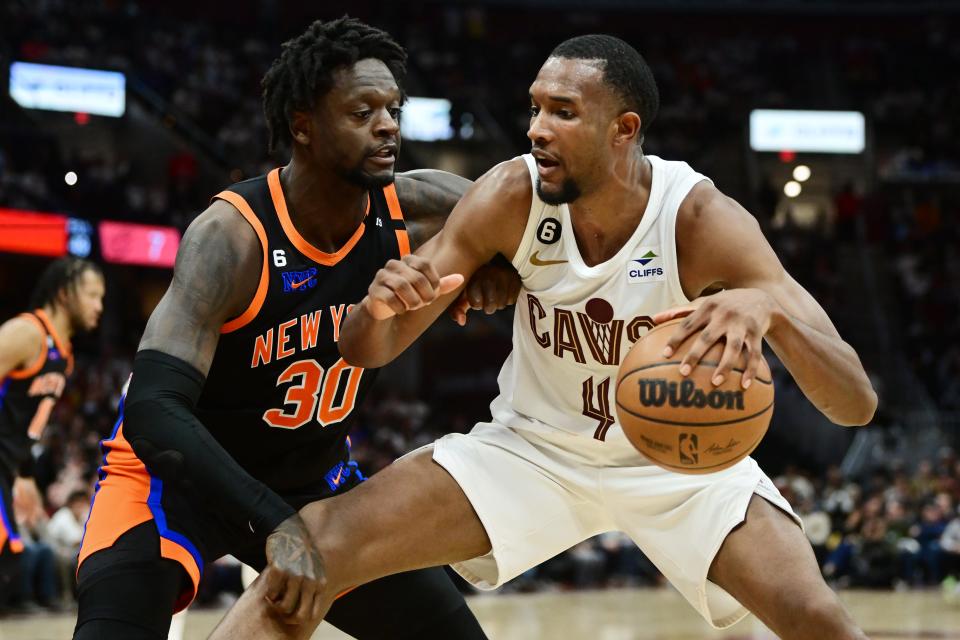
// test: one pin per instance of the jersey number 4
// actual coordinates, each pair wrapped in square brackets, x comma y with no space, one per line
[596,405]
[314,391]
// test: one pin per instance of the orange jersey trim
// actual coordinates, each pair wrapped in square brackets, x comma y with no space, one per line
[307,249]
[396,213]
[403,242]
[393,202]
[254,308]
[63,346]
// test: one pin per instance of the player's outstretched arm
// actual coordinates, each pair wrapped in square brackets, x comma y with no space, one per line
[215,277]
[407,295]
[21,344]
[427,197]
[720,246]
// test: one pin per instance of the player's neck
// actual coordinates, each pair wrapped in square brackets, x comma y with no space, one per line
[60,320]
[325,208]
[624,190]
[606,217]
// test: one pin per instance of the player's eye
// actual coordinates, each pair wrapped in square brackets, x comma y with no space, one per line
[395,113]
[534,111]
[363,114]
[564,114]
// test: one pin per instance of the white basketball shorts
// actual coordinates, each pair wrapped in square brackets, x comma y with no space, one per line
[538,494]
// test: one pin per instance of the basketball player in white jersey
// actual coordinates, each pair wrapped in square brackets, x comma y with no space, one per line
[608,241]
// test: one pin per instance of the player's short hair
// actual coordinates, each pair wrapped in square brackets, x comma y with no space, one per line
[60,275]
[304,71]
[624,71]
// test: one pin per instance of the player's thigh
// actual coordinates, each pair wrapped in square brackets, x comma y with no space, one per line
[768,565]
[128,591]
[680,522]
[417,604]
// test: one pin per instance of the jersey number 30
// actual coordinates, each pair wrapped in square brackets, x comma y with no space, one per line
[312,387]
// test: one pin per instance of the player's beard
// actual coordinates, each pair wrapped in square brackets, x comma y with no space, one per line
[366,180]
[569,191]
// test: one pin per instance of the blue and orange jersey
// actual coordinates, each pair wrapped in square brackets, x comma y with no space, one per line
[278,396]
[28,395]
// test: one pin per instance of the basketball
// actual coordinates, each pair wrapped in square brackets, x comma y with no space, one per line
[687,424]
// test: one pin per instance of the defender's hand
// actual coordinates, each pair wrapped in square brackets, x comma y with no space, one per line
[740,317]
[405,285]
[294,574]
[492,288]
[26,496]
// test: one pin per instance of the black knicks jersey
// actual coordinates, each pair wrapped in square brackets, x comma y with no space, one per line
[278,396]
[28,395]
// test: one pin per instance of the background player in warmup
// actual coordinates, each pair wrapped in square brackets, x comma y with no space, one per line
[238,410]
[35,360]
[554,468]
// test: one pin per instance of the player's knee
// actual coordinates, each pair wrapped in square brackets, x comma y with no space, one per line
[823,616]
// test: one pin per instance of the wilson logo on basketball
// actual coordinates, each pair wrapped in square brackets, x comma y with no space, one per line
[656,392]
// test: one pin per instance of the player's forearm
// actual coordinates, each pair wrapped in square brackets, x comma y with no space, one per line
[367,342]
[160,425]
[827,369]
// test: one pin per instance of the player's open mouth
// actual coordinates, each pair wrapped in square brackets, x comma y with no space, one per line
[385,156]
[546,167]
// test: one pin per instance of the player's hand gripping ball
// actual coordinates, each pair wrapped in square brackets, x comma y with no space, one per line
[685,423]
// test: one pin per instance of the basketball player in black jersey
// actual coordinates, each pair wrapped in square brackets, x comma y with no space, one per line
[239,405]
[35,360]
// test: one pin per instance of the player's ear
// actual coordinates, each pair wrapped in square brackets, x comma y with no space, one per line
[628,128]
[301,127]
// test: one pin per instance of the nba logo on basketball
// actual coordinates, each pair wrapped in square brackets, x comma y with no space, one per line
[687,448]
[647,268]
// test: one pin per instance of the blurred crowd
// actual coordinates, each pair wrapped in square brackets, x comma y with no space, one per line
[206,74]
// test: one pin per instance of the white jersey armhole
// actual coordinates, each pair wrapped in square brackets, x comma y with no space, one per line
[669,230]
[520,258]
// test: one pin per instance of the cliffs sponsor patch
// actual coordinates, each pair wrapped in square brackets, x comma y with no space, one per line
[646,267]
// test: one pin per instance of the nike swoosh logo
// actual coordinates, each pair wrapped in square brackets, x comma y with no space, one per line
[297,285]
[537,262]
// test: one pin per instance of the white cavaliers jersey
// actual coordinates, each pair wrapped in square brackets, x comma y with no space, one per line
[574,324]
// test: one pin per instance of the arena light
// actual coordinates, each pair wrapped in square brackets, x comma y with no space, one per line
[426,119]
[33,232]
[801,173]
[807,131]
[70,178]
[792,189]
[140,244]
[84,91]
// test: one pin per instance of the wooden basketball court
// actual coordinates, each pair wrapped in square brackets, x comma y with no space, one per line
[639,614]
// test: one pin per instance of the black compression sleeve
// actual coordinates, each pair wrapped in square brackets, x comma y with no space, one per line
[161,427]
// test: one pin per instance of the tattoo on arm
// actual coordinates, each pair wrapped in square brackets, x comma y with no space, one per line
[215,276]
[427,197]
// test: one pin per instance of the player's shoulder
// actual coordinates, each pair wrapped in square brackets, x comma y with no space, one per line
[22,327]
[508,184]
[222,224]
[21,336]
[221,246]
[706,208]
